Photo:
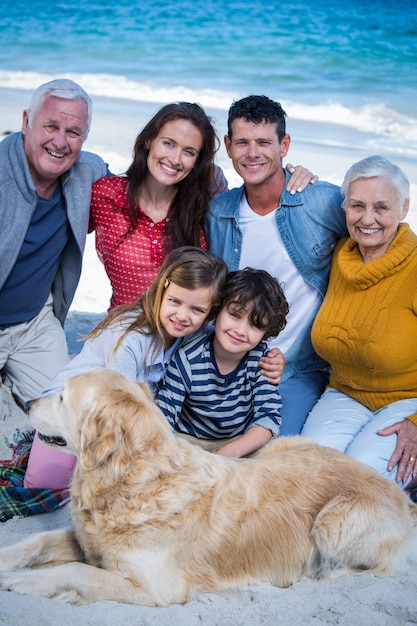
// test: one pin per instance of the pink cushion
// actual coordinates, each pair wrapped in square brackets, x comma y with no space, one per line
[48,468]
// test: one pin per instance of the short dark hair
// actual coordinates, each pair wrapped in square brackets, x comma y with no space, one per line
[258,109]
[261,295]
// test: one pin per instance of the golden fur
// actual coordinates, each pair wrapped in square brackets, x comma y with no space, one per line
[156,517]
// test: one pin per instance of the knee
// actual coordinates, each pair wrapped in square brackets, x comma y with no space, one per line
[370,455]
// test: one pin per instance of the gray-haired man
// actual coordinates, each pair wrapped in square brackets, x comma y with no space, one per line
[45,185]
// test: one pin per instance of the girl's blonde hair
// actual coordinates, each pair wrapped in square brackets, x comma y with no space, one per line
[187,267]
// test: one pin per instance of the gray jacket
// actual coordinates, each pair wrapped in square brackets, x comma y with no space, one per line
[18,200]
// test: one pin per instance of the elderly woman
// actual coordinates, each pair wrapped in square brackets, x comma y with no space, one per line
[366,328]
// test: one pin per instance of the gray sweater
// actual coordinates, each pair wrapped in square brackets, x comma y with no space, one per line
[18,200]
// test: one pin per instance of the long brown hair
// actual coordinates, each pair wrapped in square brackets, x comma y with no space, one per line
[188,267]
[190,204]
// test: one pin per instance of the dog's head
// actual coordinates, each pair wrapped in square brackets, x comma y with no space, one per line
[100,416]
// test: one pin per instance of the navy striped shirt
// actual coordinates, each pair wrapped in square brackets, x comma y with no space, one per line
[200,401]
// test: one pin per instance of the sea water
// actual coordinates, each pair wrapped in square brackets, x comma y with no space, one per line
[348,64]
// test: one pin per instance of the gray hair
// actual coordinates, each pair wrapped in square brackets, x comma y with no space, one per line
[60,88]
[378,166]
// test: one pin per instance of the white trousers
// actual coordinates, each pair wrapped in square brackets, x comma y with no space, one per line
[338,421]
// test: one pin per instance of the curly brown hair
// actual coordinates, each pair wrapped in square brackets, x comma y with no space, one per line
[261,295]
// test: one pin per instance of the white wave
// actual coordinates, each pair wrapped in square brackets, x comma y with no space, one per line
[376,118]
[120,87]
[383,125]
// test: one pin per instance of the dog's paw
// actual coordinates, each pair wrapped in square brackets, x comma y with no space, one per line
[21,581]
[36,583]
[30,582]
[11,559]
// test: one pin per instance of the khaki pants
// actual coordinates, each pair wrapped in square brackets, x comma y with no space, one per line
[32,353]
[211,445]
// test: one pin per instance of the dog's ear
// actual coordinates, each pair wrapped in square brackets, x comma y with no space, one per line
[116,428]
[103,434]
[145,388]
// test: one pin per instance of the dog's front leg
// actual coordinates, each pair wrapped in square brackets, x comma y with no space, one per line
[76,583]
[40,549]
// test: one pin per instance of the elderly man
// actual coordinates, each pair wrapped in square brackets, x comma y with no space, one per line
[45,185]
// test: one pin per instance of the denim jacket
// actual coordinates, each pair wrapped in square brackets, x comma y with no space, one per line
[310,224]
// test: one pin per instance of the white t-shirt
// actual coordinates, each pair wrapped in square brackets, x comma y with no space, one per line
[262,248]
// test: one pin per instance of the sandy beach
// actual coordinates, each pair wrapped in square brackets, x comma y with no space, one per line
[359,599]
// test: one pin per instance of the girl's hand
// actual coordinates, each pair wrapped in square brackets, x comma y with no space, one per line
[301,177]
[272,365]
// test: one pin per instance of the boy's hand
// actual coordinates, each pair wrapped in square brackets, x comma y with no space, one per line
[252,440]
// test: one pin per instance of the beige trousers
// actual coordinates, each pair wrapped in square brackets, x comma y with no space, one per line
[32,353]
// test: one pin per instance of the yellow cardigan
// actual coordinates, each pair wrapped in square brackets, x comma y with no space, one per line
[366,327]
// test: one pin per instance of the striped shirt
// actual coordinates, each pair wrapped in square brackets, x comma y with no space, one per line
[200,401]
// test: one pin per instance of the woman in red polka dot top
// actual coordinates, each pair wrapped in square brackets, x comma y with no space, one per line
[161,202]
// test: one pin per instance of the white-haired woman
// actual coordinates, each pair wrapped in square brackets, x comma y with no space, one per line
[366,328]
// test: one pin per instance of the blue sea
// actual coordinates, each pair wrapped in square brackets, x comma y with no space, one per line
[351,65]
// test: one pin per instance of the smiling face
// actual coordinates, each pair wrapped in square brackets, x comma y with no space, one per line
[174,152]
[256,151]
[234,333]
[183,311]
[373,213]
[54,139]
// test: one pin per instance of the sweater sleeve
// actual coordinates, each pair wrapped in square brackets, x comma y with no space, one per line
[129,358]
[413,418]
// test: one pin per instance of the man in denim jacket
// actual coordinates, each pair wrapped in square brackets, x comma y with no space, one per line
[264,226]
[45,187]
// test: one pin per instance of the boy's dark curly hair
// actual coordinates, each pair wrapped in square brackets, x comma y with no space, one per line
[261,295]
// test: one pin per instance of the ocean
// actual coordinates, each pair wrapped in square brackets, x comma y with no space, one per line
[352,66]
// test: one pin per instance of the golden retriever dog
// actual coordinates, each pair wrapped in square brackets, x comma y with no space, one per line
[156,517]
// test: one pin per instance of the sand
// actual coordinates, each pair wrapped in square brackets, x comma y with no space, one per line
[358,599]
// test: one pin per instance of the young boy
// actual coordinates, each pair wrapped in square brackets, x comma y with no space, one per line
[213,392]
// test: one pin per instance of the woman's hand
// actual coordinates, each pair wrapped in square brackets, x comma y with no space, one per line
[301,177]
[405,453]
[272,365]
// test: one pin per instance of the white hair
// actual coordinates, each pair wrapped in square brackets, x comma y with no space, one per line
[381,167]
[60,88]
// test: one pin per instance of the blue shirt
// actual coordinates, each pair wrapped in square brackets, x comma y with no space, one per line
[310,224]
[137,357]
[29,284]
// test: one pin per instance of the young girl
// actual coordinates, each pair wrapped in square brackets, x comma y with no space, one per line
[138,341]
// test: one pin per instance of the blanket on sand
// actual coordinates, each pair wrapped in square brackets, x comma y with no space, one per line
[16,500]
